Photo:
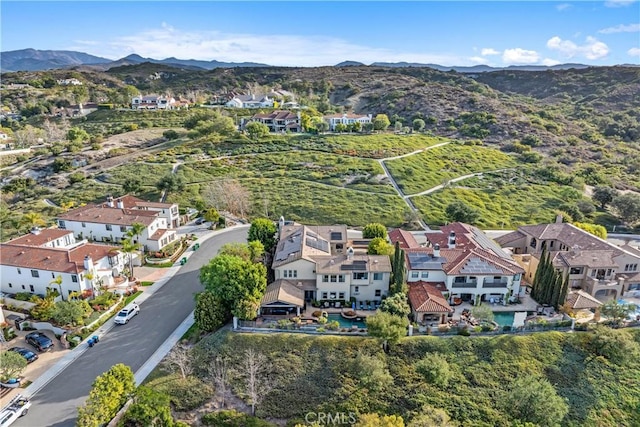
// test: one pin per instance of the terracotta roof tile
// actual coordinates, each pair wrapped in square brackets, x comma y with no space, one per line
[44,236]
[426,297]
[406,238]
[50,259]
[99,214]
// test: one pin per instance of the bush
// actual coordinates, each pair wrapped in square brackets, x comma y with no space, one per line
[317,313]
[23,296]
[233,418]
[184,394]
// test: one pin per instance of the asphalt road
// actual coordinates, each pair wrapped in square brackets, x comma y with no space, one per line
[55,405]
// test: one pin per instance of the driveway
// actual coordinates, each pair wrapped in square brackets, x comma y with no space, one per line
[55,405]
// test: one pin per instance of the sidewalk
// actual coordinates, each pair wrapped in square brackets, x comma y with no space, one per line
[159,277]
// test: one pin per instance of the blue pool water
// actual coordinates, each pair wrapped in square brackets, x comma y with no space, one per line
[632,315]
[503,318]
[345,323]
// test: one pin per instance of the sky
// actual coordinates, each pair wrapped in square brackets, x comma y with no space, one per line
[316,33]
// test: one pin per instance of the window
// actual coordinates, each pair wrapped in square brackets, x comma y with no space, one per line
[609,271]
[123,228]
[341,295]
[356,290]
[551,245]
[324,295]
[334,278]
[517,277]
[533,243]
[74,278]
[341,278]
[108,227]
[19,271]
[424,275]
[291,273]
[61,224]
[377,276]
[415,274]
[360,276]
[459,279]
[23,287]
[84,225]
[53,276]
[10,285]
[631,267]
[378,292]
[575,270]
[332,295]
[325,278]
[31,288]
[35,273]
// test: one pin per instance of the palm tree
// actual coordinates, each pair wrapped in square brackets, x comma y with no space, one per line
[32,219]
[130,248]
[58,281]
[136,230]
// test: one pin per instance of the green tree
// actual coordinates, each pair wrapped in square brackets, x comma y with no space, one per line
[387,327]
[604,195]
[32,219]
[617,346]
[68,313]
[595,229]
[241,250]
[322,126]
[432,417]
[381,122]
[418,125]
[234,281]
[375,420]
[435,369]
[263,230]
[77,134]
[482,313]
[617,312]
[211,215]
[170,183]
[534,400]
[256,250]
[109,392]
[128,247]
[396,304]
[379,246]
[340,127]
[373,230]
[627,207]
[132,185]
[459,211]
[149,409]
[256,130]
[210,314]
[200,117]
[371,372]
[398,271]
[12,365]
[58,282]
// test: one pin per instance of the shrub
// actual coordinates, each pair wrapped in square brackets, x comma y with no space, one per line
[23,296]
[317,313]
[233,418]
[184,394]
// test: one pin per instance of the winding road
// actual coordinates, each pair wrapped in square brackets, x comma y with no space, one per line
[56,404]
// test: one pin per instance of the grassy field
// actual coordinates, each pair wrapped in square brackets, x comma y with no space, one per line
[433,167]
[148,174]
[471,379]
[503,202]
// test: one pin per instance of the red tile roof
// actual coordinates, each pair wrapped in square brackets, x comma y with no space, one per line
[132,202]
[100,214]
[406,239]
[426,297]
[158,234]
[50,259]
[44,236]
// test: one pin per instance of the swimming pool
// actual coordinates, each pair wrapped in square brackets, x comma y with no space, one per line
[634,314]
[346,323]
[503,318]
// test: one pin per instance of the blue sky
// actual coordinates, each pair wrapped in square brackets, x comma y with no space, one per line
[310,33]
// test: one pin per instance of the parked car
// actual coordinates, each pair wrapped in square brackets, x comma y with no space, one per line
[29,355]
[39,340]
[127,314]
[200,221]
[17,407]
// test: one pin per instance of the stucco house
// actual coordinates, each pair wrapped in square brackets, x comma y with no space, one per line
[152,102]
[250,101]
[346,119]
[30,263]
[279,121]
[598,267]
[110,221]
[462,262]
[321,264]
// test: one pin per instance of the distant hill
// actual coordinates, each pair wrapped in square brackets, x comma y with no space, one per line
[350,64]
[480,68]
[36,60]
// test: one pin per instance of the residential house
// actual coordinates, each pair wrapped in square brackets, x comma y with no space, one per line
[598,267]
[250,101]
[427,302]
[32,262]
[279,121]
[461,262]
[321,264]
[69,82]
[346,119]
[110,221]
[152,102]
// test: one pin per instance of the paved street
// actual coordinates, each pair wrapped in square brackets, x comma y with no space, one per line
[55,405]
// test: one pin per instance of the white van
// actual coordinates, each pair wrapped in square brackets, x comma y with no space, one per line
[126,314]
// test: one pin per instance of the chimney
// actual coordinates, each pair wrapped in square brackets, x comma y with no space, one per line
[88,263]
[452,240]
[35,230]
[559,219]
[110,201]
[349,252]
[436,251]
[120,204]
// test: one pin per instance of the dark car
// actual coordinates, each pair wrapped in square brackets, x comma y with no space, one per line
[200,221]
[40,341]
[29,355]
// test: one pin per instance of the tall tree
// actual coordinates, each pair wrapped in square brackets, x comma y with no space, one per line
[263,230]
[399,270]
[381,122]
[396,304]
[12,365]
[379,246]
[535,400]
[228,195]
[255,368]
[256,130]
[604,195]
[373,230]
[387,327]
[109,392]
[627,206]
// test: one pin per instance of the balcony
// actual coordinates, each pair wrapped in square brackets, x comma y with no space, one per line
[494,284]
[472,284]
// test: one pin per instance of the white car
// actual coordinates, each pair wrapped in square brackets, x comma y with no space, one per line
[126,314]
[17,407]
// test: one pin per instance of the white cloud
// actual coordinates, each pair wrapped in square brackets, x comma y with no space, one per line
[631,28]
[634,51]
[618,3]
[520,56]
[550,62]
[273,49]
[489,51]
[591,49]
[563,6]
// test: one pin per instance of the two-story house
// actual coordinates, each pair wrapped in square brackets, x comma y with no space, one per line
[279,121]
[152,102]
[37,261]
[110,222]
[318,263]
[598,267]
[461,262]
[346,119]
[169,211]
[250,101]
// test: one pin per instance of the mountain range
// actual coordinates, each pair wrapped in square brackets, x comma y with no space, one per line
[40,60]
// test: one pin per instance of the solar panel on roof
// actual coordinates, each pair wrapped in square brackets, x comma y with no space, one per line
[353,267]
[321,245]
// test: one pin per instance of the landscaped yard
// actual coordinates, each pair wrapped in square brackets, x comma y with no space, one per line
[434,167]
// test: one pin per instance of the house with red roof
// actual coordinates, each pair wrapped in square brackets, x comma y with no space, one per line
[279,121]
[31,263]
[346,119]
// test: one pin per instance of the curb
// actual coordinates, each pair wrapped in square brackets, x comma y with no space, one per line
[151,363]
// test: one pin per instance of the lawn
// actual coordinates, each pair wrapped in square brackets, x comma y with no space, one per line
[434,167]
[502,202]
